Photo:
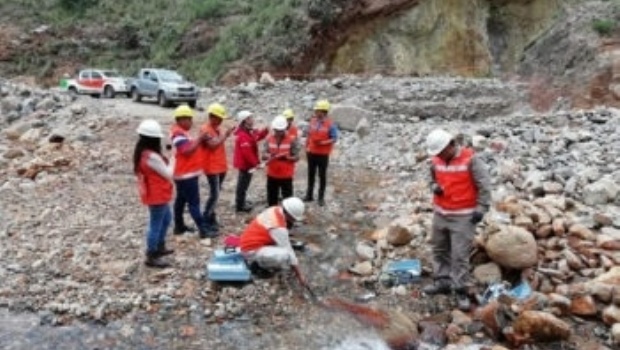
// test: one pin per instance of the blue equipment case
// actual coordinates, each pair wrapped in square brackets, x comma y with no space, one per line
[228,265]
[401,272]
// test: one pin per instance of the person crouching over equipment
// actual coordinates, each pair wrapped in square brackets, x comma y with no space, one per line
[265,241]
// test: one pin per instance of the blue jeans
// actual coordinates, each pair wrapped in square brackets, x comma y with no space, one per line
[159,221]
[215,186]
[187,193]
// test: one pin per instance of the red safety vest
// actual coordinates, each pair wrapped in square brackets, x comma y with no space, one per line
[186,165]
[154,189]
[256,234]
[279,168]
[460,193]
[316,133]
[214,159]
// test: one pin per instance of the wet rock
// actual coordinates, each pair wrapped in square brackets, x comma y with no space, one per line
[583,306]
[512,247]
[538,326]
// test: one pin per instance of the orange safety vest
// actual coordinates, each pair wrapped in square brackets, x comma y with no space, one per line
[460,193]
[280,168]
[316,133]
[293,131]
[214,159]
[186,166]
[154,189]
[256,234]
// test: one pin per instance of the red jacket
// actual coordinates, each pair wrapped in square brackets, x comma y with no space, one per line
[245,156]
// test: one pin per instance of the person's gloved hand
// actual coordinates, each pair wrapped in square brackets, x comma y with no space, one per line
[476,217]
[437,190]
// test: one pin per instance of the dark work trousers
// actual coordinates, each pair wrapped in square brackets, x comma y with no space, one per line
[188,193]
[215,186]
[452,239]
[243,183]
[277,186]
[320,162]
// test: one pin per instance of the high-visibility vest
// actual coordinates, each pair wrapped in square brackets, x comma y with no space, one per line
[460,193]
[293,131]
[154,189]
[186,166]
[214,159]
[256,234]
[279,168]
[319,131]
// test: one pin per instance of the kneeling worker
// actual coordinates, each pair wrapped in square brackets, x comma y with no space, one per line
[265,241]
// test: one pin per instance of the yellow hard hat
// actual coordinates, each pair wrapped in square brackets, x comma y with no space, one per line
[217,110]
[288,113]
[322,105]
[184,111]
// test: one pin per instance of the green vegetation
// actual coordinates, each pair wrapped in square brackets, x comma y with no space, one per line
[132,34]
[604,26]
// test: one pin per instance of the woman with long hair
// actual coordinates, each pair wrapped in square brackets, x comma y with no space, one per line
[154,175]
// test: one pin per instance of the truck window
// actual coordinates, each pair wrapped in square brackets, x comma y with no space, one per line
[85,74]
[110,74]
[96,75]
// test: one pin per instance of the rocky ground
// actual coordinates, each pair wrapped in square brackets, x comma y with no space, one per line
[72,229]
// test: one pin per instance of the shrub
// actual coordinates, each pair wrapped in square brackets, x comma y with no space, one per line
[604,26]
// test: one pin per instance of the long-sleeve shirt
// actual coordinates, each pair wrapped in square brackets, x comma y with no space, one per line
[156,163]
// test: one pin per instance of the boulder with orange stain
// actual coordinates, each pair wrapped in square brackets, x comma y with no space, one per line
[537,327]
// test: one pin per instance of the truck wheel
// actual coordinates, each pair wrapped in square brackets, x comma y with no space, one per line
[73,90]
[108,92]
[161,99]
[192,104]
[135,95]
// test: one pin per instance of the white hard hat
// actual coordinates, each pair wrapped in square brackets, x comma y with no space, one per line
[437,141]
[279,123]
[150,128]
[243,115]
[295,207]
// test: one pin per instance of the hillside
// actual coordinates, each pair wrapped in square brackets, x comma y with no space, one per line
[567,48]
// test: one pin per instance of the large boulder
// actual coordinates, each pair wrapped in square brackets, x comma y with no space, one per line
[601,192]
[348,117]
[512,247]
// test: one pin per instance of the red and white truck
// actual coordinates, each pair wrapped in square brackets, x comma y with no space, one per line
[99,82]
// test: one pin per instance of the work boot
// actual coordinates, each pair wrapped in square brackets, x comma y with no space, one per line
[153,260]
[462,300]
[440,286]
[321,202]
[162,251]
[308,198]
[179,230]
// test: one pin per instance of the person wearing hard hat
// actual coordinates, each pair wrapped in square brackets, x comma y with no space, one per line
[265,242]
[214,163]
[281,152]
[461,195]
[291,129]
[154,175]
[187,170]
[245,156]
[322,135]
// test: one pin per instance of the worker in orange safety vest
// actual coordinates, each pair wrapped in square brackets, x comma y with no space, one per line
[322,135]
[265,242]
[461,189]
[215,164]
[281,152]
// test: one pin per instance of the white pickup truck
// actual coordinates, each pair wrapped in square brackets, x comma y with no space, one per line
[99,82]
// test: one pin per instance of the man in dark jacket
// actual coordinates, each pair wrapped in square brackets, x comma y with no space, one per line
[245,158]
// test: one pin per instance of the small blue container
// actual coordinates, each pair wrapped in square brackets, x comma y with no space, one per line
[228,265]
[401,272]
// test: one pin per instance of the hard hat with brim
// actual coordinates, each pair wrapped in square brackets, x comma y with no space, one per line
[437,141]
[150,128]
[217,110]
